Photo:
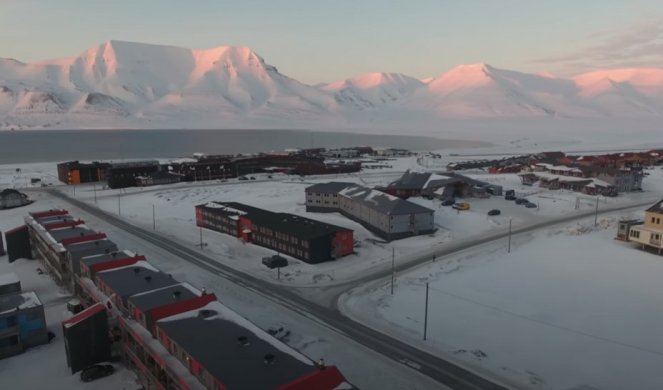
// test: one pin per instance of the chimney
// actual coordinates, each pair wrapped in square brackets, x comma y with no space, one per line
[148,278]
[269,358]
[136,270]
[176,294]
[243,341]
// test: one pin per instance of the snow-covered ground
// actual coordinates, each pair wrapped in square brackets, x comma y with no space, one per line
[568,307]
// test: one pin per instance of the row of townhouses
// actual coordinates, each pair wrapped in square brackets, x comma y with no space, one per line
[174,335]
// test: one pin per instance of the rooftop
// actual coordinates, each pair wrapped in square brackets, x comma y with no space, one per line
[90,248]
[8,278]
[135,279]
[234,350]
[18,301]
[411,180]
[156,298]
[383,202]
[302,227]
[105,257]
[657,208]
[70,232]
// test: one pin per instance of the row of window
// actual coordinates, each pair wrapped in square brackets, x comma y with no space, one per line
[282,247]
[656,220]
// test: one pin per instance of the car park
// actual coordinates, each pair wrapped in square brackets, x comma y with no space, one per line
[96,371]
[494,212]
[275,261]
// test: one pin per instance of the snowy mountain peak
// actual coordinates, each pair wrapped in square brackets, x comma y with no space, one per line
[129,84]
[373,89]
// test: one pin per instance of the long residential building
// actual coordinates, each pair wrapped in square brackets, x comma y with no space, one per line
[175,336]
[387,216]
[303,238]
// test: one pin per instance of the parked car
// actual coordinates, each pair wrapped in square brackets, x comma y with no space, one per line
[531,205]
[494,212]
[243,178]
[448,202]
[510,195]
[275,261]
[252,177]
[96,371]
[521,201]
[462,206]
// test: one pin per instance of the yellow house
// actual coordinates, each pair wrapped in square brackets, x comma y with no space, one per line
[650,233]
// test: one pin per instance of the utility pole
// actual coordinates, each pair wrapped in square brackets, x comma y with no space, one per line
[201,237]
[426,314]
[154,219]
[509,249]
[392,270]
[596,212]
[119,209]
[94,187]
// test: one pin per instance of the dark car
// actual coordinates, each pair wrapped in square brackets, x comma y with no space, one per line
[252,178]
[96,371]
[448,202]
[243,178]
[494,212]
[531,205]
[521,201]
[275,261]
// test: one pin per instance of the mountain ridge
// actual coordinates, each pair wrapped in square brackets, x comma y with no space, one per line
[120,83]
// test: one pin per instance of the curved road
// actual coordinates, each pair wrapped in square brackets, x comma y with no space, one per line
[328,315]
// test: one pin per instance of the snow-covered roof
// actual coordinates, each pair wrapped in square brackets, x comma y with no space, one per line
[18,301]
[8,278]
[382,202]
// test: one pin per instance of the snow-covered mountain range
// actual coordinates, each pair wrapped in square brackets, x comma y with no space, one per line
[134,85]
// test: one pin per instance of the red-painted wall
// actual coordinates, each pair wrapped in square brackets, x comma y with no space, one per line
[344,241]
[50,213]
[244,223]
[199,217]
[89,237]
[321,379]
[59,225]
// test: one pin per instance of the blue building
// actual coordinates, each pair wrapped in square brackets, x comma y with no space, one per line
[22,323]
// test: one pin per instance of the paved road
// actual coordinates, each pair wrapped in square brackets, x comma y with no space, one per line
[436,368]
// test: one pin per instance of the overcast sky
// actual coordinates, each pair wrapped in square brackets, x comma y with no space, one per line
[320,41]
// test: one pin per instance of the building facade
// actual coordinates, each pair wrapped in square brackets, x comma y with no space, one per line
[387,216]
[293,235]
[650,233]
